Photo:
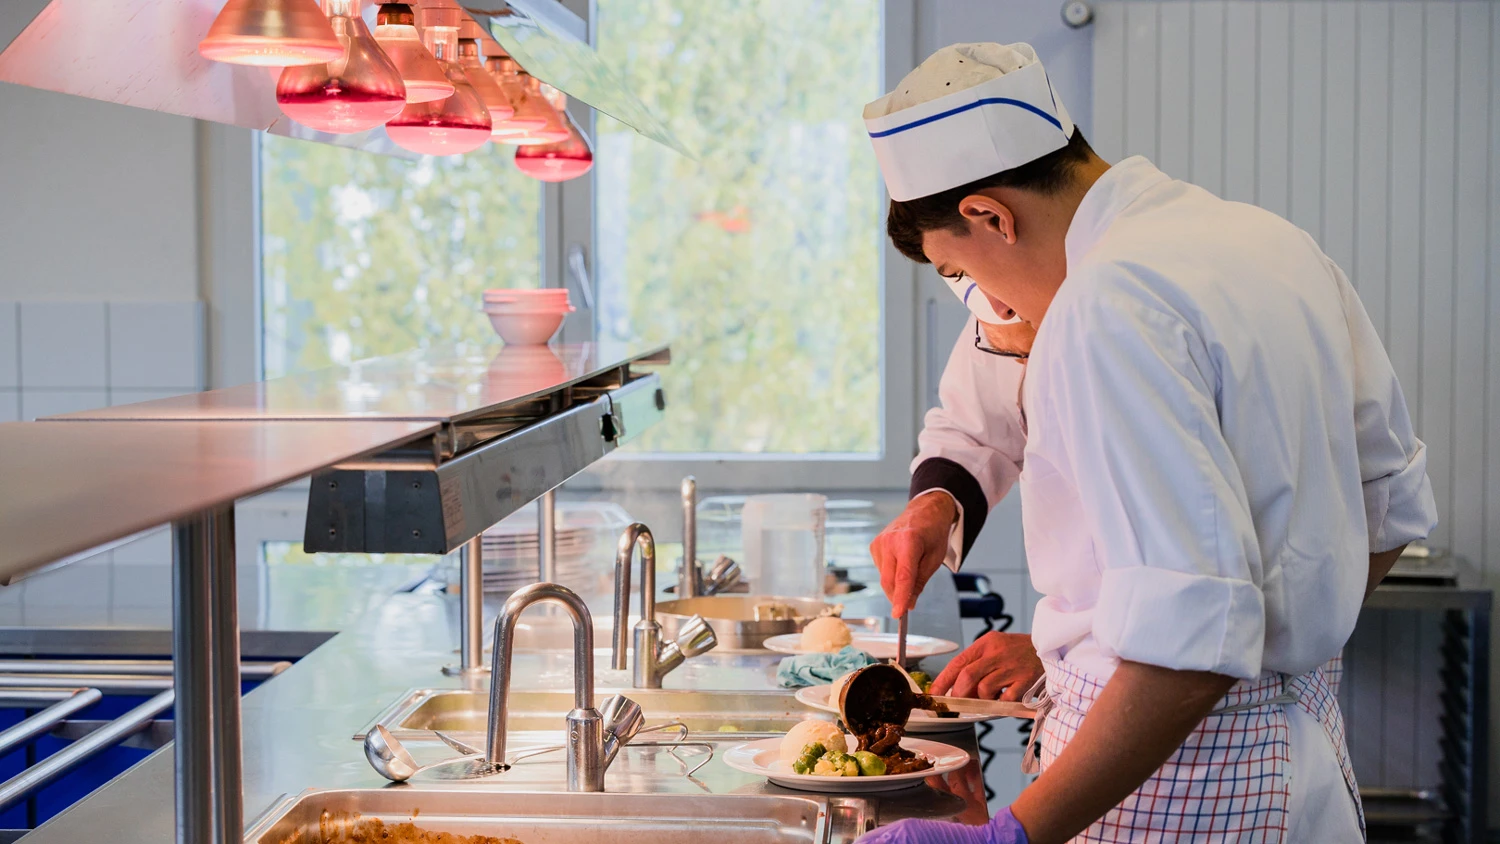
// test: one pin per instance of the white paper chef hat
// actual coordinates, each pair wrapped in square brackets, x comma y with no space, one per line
[968,111]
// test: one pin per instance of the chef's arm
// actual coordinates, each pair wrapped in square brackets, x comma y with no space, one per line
[970,447]
[1380,566]
[1140,719]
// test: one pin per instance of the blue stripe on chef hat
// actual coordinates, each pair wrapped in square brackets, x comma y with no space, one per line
[948,141]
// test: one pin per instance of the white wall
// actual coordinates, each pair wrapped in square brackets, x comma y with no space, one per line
[97,201]
[1066,52]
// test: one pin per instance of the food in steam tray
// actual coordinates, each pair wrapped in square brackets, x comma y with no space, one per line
[343,829]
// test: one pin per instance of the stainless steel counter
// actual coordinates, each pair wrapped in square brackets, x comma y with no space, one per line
[297,728]
[66,489]
[420,385]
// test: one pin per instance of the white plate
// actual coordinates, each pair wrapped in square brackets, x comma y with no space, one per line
[921,721]
[878,645]
[763,758]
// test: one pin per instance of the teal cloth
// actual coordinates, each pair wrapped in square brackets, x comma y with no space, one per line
[819,669]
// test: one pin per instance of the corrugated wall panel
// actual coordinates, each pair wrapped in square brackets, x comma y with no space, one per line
[1375,125]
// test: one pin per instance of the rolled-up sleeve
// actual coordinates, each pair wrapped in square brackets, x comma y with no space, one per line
[971,444]
[1133,408]
[1399,506]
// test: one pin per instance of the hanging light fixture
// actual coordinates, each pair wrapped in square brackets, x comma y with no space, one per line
[533,107]
[271,33]
[561,160]
[459,123]
[360,91]
[396,31]
[489,91]
[528,117]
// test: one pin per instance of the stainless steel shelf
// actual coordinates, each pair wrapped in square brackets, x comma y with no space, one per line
[411,505]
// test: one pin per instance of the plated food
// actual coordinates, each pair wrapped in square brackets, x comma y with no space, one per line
[875,703]
[763,758]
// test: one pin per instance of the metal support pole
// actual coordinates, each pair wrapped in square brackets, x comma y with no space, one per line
[192,674]
[224,638]
[206,676]
[470,608]
[546,535]
[688,576]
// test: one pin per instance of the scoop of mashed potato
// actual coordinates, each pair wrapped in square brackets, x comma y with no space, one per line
[825,635]
[809,731]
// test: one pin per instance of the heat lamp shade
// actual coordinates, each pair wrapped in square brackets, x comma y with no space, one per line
[271,33]
[359,91]
[397,33]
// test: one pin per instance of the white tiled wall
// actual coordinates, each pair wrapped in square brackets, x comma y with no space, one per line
[59,357]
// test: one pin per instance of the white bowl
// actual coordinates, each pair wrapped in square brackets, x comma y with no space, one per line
[526,328]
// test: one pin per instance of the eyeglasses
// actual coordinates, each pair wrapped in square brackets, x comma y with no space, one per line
[981,345]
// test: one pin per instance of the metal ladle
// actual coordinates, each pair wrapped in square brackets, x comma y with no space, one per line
[390,758]
[880,694]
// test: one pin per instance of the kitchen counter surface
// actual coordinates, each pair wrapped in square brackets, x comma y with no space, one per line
[298,727]
[66,489]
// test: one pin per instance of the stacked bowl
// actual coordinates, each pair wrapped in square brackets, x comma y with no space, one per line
[527,317]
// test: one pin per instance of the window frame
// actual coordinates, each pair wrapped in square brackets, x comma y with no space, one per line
[899,351]
[229,191]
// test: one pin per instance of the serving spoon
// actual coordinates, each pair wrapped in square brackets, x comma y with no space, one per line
[390,758]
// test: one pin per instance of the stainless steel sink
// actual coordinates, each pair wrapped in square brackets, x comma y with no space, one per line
[453,711]
[318,817]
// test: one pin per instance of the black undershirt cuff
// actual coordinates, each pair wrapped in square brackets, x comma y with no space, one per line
[942,473]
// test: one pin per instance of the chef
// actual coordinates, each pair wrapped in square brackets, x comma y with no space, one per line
[969,455]
[1218,467]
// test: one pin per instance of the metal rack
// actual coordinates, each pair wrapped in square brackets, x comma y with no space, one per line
[472,429]
[1460,805]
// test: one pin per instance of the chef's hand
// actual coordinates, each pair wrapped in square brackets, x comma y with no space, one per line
[1002,829]
[998,666]
[1013,337]
[912,548]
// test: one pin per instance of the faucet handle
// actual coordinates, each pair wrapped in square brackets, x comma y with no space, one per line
[723,577]
[696,637]
[623,718]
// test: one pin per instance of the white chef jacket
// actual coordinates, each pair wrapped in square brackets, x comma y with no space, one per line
[971,445]
[1217,440]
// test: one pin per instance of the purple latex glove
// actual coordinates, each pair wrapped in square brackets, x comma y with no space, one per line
[1002,829]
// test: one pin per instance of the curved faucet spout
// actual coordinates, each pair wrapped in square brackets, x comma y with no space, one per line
[505,628]
[637,535]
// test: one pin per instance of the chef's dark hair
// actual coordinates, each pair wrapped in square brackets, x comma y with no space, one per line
[1050,174]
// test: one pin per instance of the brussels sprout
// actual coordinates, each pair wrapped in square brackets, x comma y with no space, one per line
[810,756]
[923,680]
[836,764]
[870,765]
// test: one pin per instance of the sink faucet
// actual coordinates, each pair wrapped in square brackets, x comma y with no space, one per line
[653,657]
[591,746]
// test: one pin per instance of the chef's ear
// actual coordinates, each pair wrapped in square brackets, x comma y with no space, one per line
[988,214]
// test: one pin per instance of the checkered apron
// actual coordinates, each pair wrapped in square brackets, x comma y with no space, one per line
[1228,781]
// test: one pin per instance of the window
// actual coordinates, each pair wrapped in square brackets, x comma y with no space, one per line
[762,260]
[365,255]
